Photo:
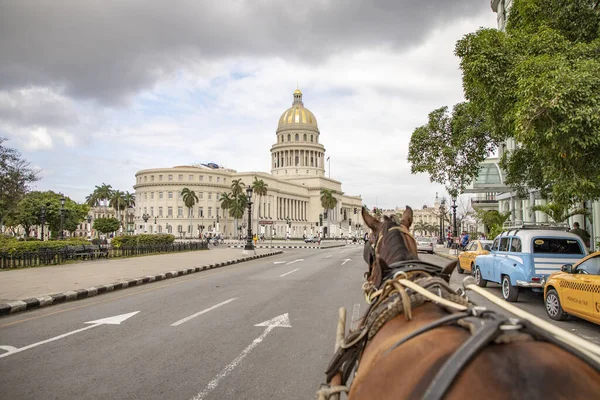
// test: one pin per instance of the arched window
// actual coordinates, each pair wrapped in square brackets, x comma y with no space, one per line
[305,137]
[311,138]
[297,137]
[179,228]
[289,137]
[282,138]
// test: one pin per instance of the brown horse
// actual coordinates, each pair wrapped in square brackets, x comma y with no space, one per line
[447,348]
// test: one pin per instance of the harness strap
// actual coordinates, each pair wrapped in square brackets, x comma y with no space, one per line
[461,357]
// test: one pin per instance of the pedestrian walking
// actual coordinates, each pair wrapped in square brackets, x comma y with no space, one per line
[582,233]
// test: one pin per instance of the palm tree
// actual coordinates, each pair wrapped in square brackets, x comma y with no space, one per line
[104,193]
[328,202]
[237,187]
[117,201]
[559,212]
[226,202]
[419,227]
[189,199]
[259,188]
[238,206]
[92,200]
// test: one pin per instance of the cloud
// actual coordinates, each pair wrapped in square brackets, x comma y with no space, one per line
[109,51]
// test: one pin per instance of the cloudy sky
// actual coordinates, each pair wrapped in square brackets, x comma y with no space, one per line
[93,91]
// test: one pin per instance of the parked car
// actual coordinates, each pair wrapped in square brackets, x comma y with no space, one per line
[575,290]
[425,244]
[524,258]
[311,239]
[466,259]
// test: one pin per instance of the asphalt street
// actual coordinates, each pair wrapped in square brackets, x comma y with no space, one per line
[261,329]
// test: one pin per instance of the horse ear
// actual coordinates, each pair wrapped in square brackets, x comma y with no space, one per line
[449,268]
[369,220]
[407,217]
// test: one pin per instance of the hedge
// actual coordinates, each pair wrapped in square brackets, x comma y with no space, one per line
[14,246]
[142,240]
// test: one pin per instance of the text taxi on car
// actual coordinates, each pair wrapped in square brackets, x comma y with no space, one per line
[524,255]
[575,290]
[466,259]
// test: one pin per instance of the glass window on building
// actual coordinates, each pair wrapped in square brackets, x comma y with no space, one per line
[200,195]
[152,211]
[160,195]
[311,138]
[201,178]
[145,179]
[160,213]
[169,211]
[190,177]
[160,177]
[210,195]
[179,195]
[145,196]
[170,195]
[210,211]
[304,137]
[201,212]
[180,211]
[151,178]
[218,179]
[210,178]
[145,210]
[170,177]
[180,177]
[151,195]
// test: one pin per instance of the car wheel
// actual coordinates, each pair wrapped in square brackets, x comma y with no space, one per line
[459,269]
[553,307]
[472,269]
[509,292]
[479,281]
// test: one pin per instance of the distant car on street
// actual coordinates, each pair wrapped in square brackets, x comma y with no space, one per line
[311,239]
[425,244]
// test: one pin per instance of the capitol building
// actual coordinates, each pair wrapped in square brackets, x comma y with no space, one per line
[292,203]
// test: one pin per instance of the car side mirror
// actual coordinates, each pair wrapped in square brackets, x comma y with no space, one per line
[568,268]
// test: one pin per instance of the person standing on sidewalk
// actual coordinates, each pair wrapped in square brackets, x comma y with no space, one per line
[582,233]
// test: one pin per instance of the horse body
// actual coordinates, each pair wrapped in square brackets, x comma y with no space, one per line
[514,365]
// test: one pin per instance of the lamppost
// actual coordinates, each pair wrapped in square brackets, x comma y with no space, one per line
[89,221]
[249,244]
[442,211]
[145,217]
[454,207]
[289,224]
[155,230]
[62,215]
[43,218]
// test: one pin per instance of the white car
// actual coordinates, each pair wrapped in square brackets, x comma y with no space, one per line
[425,244]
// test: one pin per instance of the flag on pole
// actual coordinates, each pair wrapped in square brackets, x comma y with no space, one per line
[328,158]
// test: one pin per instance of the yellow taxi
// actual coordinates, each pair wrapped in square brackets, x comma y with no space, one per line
[575,290]
[466,259]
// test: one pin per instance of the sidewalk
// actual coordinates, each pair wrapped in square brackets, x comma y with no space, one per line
[446,253]
[42,286]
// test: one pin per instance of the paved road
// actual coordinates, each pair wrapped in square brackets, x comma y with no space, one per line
[196,336]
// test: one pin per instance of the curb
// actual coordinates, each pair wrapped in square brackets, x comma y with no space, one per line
[288,247]
[446,256]
[33,303]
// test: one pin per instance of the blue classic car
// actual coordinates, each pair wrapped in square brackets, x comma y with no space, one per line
[525,257]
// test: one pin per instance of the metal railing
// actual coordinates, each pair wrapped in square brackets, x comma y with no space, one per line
[89,252]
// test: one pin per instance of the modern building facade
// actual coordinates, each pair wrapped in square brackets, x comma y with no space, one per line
[292,203]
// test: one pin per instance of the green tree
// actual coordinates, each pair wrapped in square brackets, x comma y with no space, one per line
[559,212]
[328,202]
[100,195]
[106,225]
[450,147]
[420,227]
[189,199]
[259,187]
[238,207]
[16,176]
[539,84]
[237,187]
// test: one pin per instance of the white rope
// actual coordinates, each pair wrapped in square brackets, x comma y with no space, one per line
[590,349]
[433,297]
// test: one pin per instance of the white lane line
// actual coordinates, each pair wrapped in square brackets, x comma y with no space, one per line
[186,319]
[295,261]
[346,260]
[281,321]
[287,273]
[355,315]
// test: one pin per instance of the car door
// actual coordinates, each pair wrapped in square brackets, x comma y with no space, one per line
[500,257]
[586,286]
[487,270]
[466,257]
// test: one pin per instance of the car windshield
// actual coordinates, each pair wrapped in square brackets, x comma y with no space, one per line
[556,246]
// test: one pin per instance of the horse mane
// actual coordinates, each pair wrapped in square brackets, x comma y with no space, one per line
[390,249]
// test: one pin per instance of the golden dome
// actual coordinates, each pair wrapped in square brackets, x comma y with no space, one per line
[297,114]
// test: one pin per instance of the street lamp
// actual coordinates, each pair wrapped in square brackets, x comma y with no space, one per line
[43,218]
[145,217]
[442,211]
[454,207]
[89,221]
[62,215]
[249,244]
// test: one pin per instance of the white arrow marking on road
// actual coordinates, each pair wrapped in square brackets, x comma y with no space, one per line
[281,321]
[278,262]
[116,320]
[186,319]
[346,260]
[287,273]
[295,261]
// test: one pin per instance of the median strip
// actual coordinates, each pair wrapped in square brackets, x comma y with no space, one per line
[15,306]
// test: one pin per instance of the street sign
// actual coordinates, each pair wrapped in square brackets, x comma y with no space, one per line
[265,222]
